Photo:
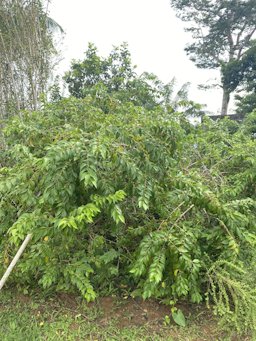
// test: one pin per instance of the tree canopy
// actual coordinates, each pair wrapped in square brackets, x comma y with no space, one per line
[223,32]
[246,102]
[115,75]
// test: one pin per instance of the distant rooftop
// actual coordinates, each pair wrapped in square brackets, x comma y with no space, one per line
[234,117]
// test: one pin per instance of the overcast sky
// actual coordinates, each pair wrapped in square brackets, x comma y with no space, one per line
[155,37]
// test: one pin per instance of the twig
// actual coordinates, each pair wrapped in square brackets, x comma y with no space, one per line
[183,214]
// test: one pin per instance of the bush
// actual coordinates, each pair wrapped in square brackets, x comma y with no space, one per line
[130,199]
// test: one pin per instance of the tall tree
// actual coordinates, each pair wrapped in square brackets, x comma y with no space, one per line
[116,76]
[114,71]
[26,51]
[222,31]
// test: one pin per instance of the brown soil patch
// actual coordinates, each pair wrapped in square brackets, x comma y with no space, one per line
[24,299]
[70,301]
[135,312]
[132,312]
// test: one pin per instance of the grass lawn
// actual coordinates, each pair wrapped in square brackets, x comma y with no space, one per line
[66,317]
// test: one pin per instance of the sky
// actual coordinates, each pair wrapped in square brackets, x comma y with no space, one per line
[155,37]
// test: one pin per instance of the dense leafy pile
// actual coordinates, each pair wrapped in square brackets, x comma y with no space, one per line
[134,200]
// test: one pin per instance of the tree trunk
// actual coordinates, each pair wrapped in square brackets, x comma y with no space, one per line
[225,102]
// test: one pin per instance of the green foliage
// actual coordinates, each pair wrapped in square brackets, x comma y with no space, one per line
[222,30]
[248,126]
[246,102]
[70,177]
[27,54]
[113,71]
[223,38]
[234,299]
[115,77]
[136,198]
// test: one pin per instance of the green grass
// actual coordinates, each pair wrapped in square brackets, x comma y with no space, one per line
[23,318]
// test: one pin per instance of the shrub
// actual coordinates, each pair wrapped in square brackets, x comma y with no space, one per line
[130,199]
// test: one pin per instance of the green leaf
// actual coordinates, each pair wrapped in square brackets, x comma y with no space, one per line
[179,318]
[117,215]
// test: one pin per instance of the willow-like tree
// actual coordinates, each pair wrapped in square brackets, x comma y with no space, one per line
[26,54]
[223,32]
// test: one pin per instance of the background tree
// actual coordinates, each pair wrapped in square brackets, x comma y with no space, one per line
[222,32]
[115,76]
[246,102]
[26,54]
[114,71]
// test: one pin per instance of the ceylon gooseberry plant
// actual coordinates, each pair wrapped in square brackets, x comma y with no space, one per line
[134,198]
